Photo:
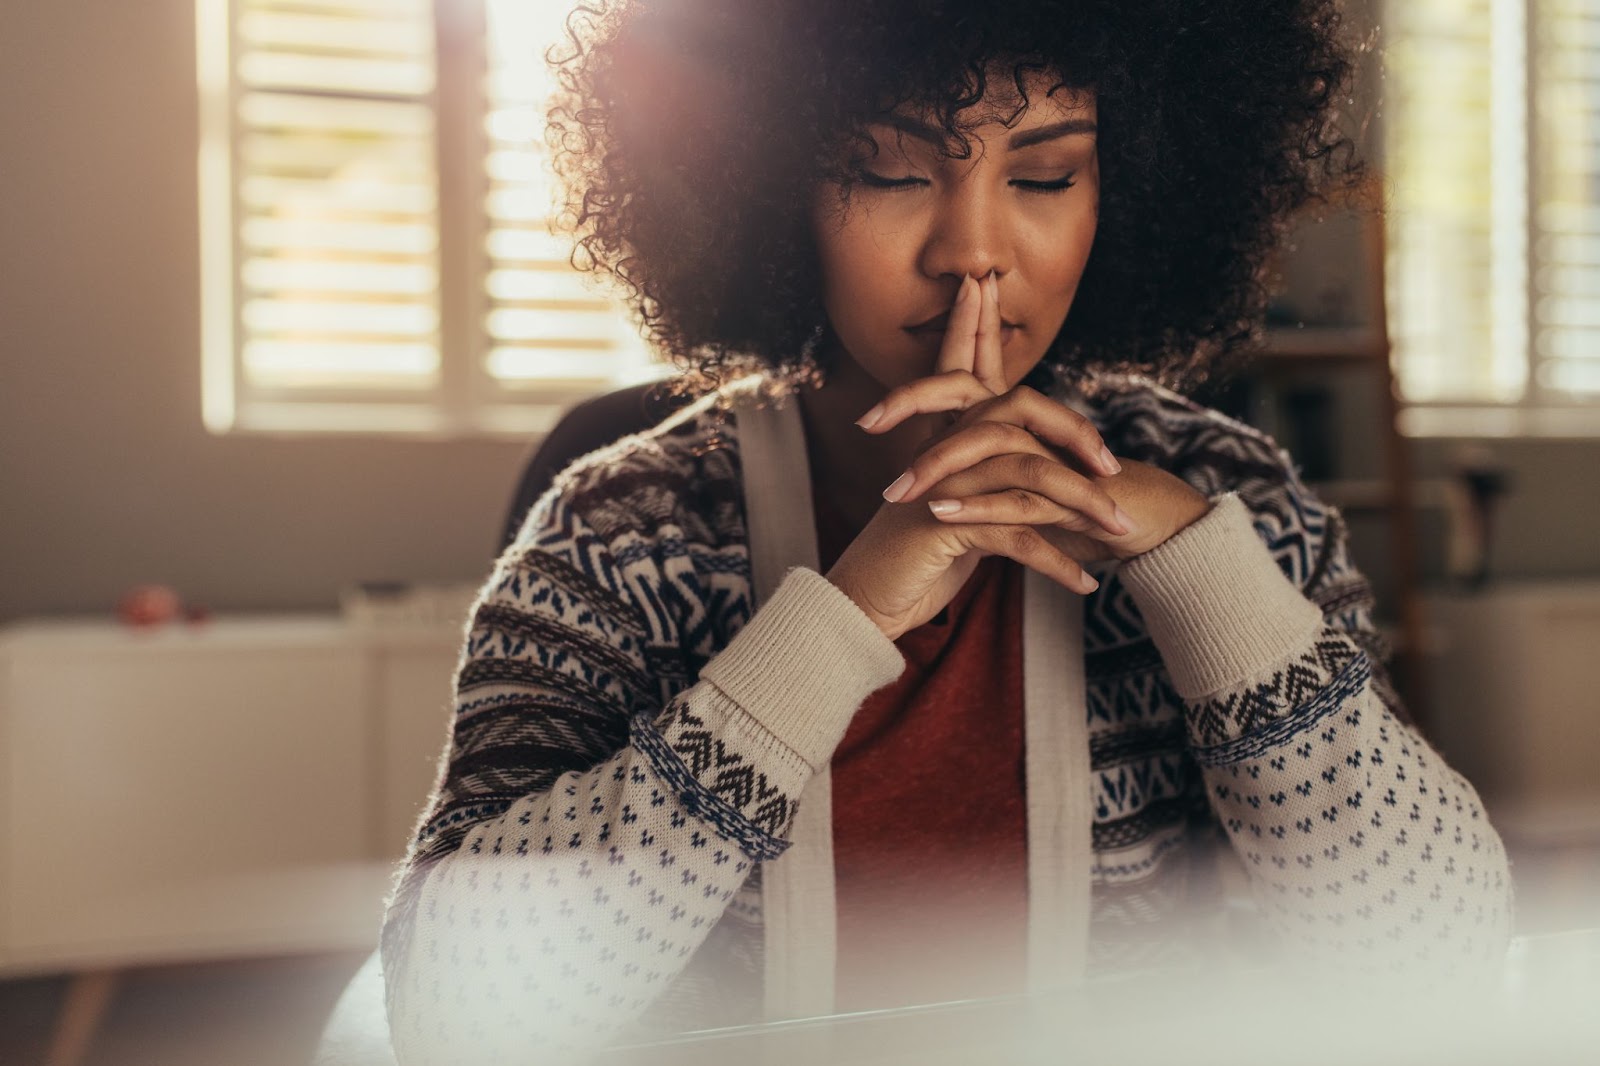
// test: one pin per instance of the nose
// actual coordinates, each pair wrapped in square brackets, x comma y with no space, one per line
[965,235]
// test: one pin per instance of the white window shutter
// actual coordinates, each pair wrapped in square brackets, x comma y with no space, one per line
[1566,213]
[375,204]
[331,309]
[1440,149]
[1494,223]
[548,330]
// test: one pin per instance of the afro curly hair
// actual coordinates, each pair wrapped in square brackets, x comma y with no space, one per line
[690,135]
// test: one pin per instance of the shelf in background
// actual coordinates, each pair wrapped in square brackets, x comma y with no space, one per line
[1322,344]
[1377,494]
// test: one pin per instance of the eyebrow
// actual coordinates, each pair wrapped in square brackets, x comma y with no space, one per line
[1065,128]
[1021,139]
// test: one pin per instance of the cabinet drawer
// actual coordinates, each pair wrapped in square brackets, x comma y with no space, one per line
[187,801]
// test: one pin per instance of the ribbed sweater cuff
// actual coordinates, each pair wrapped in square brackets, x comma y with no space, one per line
[804,663]
[1217,606]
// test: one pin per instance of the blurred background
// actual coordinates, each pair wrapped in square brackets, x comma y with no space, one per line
[281,324]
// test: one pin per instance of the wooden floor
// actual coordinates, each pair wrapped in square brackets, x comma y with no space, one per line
[271,1012]
[266,1012]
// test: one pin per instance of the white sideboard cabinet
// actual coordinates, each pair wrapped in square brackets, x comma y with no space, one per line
[1519,712]
[240,787]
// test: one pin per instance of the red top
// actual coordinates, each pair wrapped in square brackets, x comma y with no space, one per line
[929,820]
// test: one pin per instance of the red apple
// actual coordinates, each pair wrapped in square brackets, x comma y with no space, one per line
[149,605]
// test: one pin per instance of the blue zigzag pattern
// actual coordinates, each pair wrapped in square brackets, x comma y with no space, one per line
[1344,686]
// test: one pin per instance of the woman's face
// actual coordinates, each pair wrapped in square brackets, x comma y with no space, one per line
[1024,205]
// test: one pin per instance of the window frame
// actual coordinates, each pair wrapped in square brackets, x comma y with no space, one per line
[467,401]
[1513,126]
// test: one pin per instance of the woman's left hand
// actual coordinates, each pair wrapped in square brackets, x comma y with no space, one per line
[1028,440]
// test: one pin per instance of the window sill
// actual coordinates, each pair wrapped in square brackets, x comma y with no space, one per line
[422,419]
[1502,422]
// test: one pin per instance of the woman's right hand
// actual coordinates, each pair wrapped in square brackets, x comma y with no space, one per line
[907,565]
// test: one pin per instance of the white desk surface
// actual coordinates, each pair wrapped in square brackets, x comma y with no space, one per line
[1544,1011]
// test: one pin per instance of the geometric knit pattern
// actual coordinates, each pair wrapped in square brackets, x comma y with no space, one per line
[709,765]
[591,857]
[1289,700]
[1363,844]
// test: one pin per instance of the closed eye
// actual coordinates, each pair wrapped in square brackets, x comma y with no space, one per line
[880,181]
[883,181]
[1053,185]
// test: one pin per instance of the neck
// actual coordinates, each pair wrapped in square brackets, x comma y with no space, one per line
[850,464]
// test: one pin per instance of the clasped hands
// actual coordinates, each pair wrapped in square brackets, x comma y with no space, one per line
[1013,473]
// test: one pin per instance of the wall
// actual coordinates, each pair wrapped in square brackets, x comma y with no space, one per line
[106,475]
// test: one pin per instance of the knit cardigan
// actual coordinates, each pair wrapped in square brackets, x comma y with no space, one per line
[655,676]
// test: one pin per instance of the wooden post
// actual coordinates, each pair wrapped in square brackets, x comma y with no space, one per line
[83,1008]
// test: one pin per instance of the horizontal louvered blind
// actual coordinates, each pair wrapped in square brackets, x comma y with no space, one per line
[336,197]
[1493,144]
[375,206]
[1566,219]
[1441,149]
[546,325]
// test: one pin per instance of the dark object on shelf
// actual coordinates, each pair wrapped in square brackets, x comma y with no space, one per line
[1235,394]
[1480,481]
[1309,428]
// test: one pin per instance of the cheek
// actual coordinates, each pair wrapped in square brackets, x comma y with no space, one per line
[1055,269]
[1063,252]
[1064,255]
[837,262]
[857,261]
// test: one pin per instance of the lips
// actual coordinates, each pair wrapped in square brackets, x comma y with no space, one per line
[936,324]
[941,321]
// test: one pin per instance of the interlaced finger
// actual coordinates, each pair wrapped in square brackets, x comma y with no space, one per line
[952,391]
[1057,425]
[1031,489]
[1026,545]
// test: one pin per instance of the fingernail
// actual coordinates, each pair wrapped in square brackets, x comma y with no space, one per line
[1089,584]
[1122,518]
[994,285]
[901,486]
[871,418]
[1109,461]
[968,287]
[944,506]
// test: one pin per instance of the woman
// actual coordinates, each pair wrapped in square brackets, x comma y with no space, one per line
[936,650]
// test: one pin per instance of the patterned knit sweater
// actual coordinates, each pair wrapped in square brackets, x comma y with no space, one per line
[630,740]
